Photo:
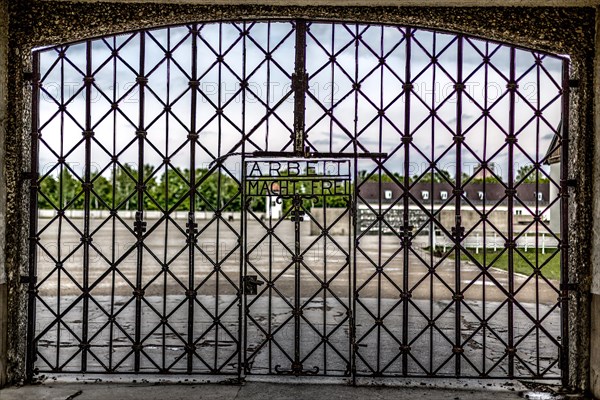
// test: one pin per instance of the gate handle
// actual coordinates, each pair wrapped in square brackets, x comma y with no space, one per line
[250,284]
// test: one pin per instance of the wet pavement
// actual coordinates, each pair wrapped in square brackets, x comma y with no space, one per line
[384,320]
[268,390]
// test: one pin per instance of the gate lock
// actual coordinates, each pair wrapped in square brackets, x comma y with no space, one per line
[251,284]
[297,215]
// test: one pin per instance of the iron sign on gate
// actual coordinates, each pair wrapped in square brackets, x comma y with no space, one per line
[299,322]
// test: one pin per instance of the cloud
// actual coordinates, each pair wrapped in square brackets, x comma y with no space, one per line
[453,120]
[548,136]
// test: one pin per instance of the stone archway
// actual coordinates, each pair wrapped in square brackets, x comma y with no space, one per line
[574,39]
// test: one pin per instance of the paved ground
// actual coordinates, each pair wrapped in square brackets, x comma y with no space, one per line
[165,311]
[164,346]
[260,391]
[269,257]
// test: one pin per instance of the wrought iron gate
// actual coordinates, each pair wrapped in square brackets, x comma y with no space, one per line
[294,197]
[288,326]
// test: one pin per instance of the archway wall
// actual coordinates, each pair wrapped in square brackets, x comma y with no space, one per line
[3,286]
[594,369]
[561,30]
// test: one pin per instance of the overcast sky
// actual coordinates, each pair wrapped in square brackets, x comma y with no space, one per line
[269,82]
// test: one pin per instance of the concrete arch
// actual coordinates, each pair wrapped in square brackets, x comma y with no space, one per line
[35,23]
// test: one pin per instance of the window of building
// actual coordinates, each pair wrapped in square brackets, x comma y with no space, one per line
[540,196]
[481,195]
[387,194]
[424,194]
[443,195]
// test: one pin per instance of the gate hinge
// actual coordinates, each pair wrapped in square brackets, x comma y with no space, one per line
[569,287]
[29,176]
[28,76]
[26,279]
[573,83]
[570,182]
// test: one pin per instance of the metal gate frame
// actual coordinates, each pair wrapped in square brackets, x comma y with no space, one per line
[297,256]
[304,149]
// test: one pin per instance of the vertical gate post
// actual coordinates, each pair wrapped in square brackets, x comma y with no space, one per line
[458,228]
[564,227]
[299,85]
[87,134]
[511,191]
[140,224]
[32,266]
[406,138]
[3,110]
[191,224]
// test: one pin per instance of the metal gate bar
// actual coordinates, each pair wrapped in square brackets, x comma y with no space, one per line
[565,280]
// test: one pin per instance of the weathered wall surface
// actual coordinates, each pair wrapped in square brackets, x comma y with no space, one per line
[595,287]
[559,30]
[595,251]
[595,347]
[15,162]
[371,3]
[3,77]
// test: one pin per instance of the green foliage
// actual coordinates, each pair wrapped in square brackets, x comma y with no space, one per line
[362,176]
[124,181]
[435,177]
[102,192]
[488,178]
[172,190]
[259,203]
[532,177]
[48,193]
[168,189]
[522,260]
[66,191]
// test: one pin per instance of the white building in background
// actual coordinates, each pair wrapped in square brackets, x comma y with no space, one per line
[274,208]
[477,198]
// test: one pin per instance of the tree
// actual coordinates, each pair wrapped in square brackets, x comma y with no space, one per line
[489,178]
[214,190]
[48,193]
[217,190]
[150,188]
[124,185]
[528,175]
[169,190]
[72,190]
[435,177]
[102,192]
[172,188]
[362,176]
